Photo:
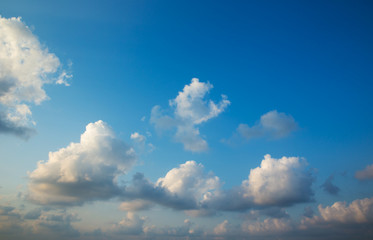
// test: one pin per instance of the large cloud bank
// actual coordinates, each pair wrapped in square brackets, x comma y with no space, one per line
[82,171]
[277,182]
[25,66]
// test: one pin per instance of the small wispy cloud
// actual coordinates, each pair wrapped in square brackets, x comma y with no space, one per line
[190,109]
[365,174]
[273,125]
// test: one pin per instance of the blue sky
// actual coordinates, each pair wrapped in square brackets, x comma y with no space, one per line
[186,119]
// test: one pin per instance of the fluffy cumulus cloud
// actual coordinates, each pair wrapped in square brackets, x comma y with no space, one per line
[190,109]
[83,171]
[281,181]
[276,182]
[189,181]
[358,211]
[272,124]
[25,67]
[340,221]
[365,174]
[182,188]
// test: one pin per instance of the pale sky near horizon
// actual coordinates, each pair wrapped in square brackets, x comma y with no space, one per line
[186,120]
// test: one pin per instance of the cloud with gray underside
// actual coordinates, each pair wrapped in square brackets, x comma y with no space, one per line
[25,67]
[82,172]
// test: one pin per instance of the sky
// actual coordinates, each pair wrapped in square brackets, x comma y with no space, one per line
[186,120]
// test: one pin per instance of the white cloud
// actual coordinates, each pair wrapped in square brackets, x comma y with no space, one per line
[191,104]
[271,124]
[189,181]
[279,182]
[365,174]
[276,182]
[25,66]
[138,137]
[221,228]
[190,109]
[132,224]
[140,142]
[358,211]
[341,220]
[83,171]
[182,188]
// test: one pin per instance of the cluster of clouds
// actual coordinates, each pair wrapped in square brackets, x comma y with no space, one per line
[340,220]
[25,67]
[38,223]
[189,109]
[89,170]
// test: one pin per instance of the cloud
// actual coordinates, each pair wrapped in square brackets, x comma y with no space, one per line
[187,229]
[135,205]
[190,109]
[329,187]
[132,225]
[341,221]
[83,171]
[182,188]
[56,224]
[140,142]
[268,226]
[280,182]
[273,124]
[8,211]
[221,228]
[138,137]
[200,212]
[33,214]
[37,224]
[276,182]
[272,212]
[365,174]
[358,211]
[25,67]
[189,181]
